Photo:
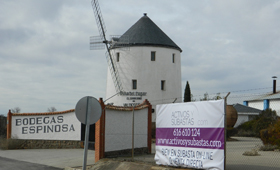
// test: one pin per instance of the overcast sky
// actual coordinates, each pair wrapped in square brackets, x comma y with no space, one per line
[45,59]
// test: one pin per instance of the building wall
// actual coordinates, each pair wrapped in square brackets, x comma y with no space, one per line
[136,63]
[274,104]
[244,117]
[119,135]
[241,119]
[256,104]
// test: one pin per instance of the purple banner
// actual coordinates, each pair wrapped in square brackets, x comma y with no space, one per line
[208,138]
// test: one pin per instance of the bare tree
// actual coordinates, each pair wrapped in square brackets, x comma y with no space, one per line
[15,110]
[51,109]
[217,97]
[205,98]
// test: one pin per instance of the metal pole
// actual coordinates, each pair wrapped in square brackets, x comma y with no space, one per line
[132,151]
[225,130]
[87,134]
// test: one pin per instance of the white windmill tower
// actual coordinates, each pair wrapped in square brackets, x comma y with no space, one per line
[144,63]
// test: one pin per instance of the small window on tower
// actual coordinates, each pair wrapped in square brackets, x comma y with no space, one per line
[134,84]
[162,84]
[118,56]
[153,56]
[173,58]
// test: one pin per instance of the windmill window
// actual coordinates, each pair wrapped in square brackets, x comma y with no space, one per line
[173,58]
[153,56]
[118,57]
[134,84]
[162,84]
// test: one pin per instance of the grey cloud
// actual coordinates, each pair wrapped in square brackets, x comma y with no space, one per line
[45,58]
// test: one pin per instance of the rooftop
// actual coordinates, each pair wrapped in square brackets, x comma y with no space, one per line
[245,109]
[266,96]
[146,32]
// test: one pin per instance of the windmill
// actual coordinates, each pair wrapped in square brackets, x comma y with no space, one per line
[99,42]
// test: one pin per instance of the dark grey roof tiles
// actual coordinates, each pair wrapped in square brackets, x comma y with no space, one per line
[146,33]
[245,109]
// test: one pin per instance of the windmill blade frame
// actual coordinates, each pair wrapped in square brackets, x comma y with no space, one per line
[96,43]
[102,30]
[99,19]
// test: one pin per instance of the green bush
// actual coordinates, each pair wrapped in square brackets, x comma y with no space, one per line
[252,128]
[248,133]
[246,129]
[231,132]
[271,135]
[266,118]
[247,126]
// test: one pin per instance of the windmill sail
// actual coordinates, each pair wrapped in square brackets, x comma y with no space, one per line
[99,19]
[95,44]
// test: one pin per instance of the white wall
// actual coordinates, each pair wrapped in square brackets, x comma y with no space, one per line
[241,119]
[274,104]
[118,129]
[244,117]
[256,104]
[46,127]
[136,63]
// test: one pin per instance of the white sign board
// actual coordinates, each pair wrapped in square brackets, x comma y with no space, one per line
[47,127]
[190,134]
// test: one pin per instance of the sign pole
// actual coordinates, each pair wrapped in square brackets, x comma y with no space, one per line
[87,134]
[88,111]
[132,151]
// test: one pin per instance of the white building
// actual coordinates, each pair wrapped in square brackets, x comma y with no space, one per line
[245,113]
[149,67]
[265,101]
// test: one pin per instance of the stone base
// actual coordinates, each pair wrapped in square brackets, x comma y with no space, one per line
[50,144]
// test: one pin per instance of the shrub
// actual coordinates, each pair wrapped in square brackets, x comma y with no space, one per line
[3,126]
[11,143]
[247,126]
[271,135]
[248,133]
[268,147]
[231,132]
[252,152]
[246,129]
[264,120]
[252,128]
[3,143]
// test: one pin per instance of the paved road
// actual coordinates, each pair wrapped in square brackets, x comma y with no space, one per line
[11,164]
[61,158]
[58,158]
[268,160]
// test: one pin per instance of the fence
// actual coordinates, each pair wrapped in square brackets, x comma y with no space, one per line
[245,149]
[117,126]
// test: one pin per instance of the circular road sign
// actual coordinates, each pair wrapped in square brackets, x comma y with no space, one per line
[88,107]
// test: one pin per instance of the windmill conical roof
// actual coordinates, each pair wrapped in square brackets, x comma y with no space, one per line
[146,33]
